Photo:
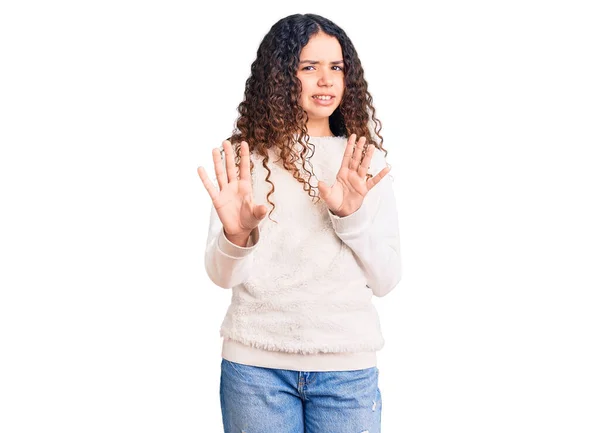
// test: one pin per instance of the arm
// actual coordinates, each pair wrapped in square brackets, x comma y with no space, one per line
[228,260]
[226,263]
[372,233]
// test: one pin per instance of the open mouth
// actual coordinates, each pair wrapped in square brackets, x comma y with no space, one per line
[323,100]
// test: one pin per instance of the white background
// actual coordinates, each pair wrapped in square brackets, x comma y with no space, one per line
[108,322]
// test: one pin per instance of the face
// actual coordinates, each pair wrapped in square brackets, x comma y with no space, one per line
[321,71]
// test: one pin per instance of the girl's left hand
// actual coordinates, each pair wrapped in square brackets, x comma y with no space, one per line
[351,185]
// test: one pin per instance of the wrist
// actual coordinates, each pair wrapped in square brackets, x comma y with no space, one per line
[341,213]
[239,239]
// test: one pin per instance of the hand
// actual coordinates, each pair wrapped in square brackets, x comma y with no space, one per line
[234,202]
[351,185]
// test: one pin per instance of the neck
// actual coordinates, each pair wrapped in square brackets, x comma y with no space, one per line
[319,128]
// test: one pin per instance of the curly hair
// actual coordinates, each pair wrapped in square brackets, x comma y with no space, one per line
[270,115]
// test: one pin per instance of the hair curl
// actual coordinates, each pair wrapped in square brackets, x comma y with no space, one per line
[270,115]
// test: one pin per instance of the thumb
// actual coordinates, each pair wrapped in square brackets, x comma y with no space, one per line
[259,211]
[324,190]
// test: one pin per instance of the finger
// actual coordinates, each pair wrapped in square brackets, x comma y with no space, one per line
[260,211]
[212,191]
[230,161]
[376,179]
[324,189]
[358,153]
[219,170]
[349,150]
[244,161]
[364,165]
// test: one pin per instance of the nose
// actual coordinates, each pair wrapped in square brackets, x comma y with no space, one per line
[325,78]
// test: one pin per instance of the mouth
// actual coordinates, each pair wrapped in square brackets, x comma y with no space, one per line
[323,97]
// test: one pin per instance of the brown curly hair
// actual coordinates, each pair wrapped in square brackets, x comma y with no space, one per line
[270,115]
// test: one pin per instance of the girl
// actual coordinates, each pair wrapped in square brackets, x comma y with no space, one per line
[301,334]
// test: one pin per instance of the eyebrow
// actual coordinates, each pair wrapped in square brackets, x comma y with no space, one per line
[314,62]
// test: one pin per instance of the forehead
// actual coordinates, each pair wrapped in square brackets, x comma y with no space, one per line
[321,46]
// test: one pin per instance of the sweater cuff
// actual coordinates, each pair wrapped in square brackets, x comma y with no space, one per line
[353,223]
[234,251]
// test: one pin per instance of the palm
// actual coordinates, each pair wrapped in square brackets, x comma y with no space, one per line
[351,184]
[233,202]
[234,211]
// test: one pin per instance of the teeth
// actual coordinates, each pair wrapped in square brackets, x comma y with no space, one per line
[324,98]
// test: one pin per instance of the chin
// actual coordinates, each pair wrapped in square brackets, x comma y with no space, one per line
[321,113]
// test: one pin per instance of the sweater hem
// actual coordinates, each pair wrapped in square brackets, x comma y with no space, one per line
[235,351]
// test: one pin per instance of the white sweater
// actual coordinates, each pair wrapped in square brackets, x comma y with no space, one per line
[302,287]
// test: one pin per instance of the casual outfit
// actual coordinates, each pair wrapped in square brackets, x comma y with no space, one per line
[301,305]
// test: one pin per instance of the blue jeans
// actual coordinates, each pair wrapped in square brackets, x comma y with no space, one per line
[267,400]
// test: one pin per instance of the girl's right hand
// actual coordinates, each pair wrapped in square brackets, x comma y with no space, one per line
[234,202]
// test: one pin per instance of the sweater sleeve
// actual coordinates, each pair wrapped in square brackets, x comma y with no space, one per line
[372,233]
[227,264]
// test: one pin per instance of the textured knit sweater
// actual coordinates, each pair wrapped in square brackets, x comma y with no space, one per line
[302,286]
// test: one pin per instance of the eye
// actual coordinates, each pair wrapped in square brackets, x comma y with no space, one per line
[306,67]
[340,68]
